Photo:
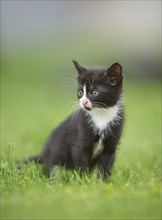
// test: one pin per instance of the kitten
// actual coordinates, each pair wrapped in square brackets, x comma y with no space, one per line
[91,136]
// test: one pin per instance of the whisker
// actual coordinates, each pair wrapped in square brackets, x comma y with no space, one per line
[70,81]
[75,102]
[75,113]
[75,106]
[101,103]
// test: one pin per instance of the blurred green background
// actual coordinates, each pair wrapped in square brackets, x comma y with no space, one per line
[38,41]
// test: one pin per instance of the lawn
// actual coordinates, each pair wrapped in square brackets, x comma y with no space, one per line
[36,100]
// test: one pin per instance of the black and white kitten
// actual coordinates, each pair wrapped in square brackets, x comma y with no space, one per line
[91,137]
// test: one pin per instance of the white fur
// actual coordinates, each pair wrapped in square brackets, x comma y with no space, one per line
[102,117]
[97,149]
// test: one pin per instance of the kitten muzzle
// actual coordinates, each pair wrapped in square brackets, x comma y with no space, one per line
[85,104]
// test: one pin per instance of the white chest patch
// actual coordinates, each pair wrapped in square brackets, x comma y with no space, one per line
[97,149]
[102,117]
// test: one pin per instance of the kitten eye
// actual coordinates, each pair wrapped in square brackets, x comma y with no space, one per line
[95,93]
[80,93]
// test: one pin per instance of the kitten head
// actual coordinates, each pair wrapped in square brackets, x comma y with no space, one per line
[99,87]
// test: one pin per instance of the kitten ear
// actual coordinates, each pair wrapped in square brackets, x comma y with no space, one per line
[79,68]
[114,74]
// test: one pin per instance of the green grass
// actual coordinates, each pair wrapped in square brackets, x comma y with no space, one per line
[33,103]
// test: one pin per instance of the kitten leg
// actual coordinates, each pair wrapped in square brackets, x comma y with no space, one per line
[105,164]
[81,161]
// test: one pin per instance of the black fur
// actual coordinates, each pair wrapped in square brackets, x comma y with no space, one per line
[71,143]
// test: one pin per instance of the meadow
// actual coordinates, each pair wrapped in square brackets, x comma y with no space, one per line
[35,98]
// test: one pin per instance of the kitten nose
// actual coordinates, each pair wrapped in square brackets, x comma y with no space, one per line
[85,102]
